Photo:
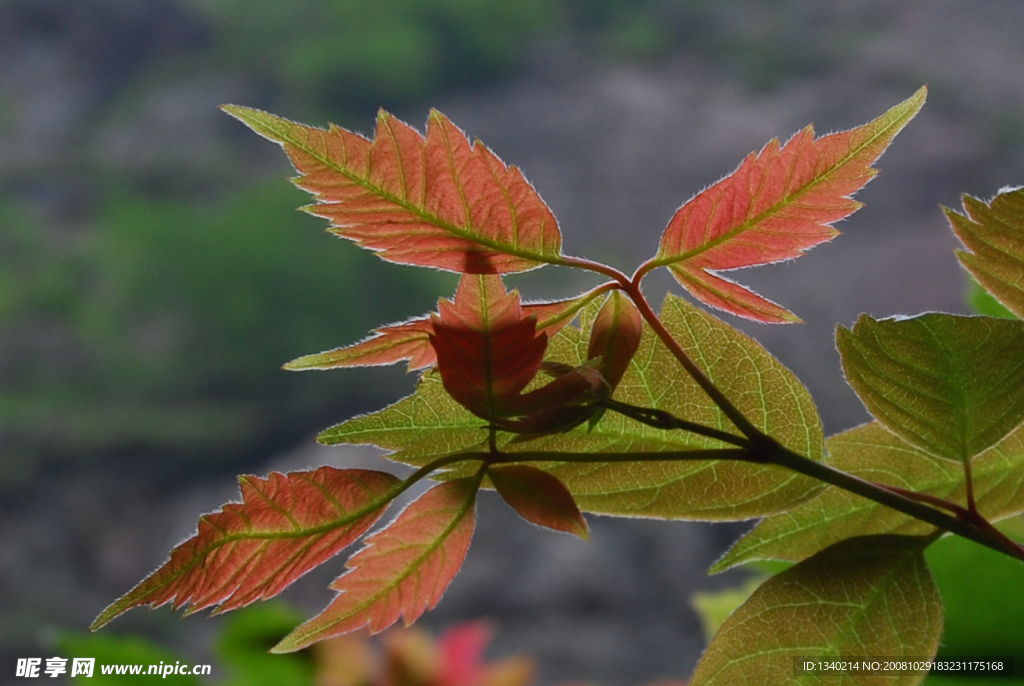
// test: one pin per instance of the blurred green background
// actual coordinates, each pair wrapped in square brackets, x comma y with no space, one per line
[154,273]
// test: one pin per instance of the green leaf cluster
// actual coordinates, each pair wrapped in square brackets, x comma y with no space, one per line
[674,414]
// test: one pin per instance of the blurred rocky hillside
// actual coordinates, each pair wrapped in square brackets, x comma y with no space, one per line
[154,274]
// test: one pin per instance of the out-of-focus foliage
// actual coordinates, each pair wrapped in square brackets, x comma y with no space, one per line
[392,49]
[983,302]
[165,327]
[341,53]
[409,657]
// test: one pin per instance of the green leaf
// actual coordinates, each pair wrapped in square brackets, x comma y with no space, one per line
[994,235]
[246,637]
[114,649]
[983,302]
[870,596]
[714,607]
[950,385]
[429,425]
[986,616]
[417,429]
[878,455]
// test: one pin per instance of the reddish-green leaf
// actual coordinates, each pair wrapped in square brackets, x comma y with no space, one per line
[403,570]
[487,349]
[569,401]
[538,497]
[248,551]
[776,205]
[874,453]
[865,597]
[429,424]
[410,340]
[615,337]
[436,201]
[994,234]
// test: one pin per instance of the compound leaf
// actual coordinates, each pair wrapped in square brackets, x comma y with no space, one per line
[429,424]
[994,235]
[762,388]
[950,385]
[410,340]
[868,596]
[876,454]
[285,525]
[777,204]
[538,497]
[436,201]
[403,570]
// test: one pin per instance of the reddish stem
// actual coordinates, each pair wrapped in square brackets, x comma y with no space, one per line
[968,522]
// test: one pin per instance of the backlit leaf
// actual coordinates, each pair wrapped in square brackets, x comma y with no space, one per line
[865,597]
[487,350]
[389,344]
[538,497]
[429,424]
[878,455]
[285,525]
[776,205]
[402,571]
[714,607]
[764,390]
[416,430]
[410,340]
[994,235]
[436,201]
[615,336]
[950,385]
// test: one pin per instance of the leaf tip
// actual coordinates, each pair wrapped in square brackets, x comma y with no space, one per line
[110,613]
[287,645]
[787,317]
[581,530]
[299,364]
[244,114]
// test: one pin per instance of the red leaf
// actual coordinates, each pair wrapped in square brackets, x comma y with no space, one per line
[487,349]
[248,551]
[461,652]
[435,202]
[777,204]
[571,398]
[403,570]
[553,316]
[615,337]
[410,340]
[539,497]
